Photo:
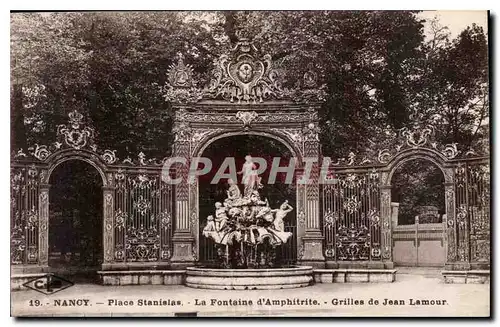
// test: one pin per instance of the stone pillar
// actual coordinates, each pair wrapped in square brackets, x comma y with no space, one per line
[450,231]
[183,240]
[394,213]
[300,212]
[108,224]
[386,228]
[43,225]
[312,241]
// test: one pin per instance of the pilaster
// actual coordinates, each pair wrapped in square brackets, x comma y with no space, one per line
[108,223]
[43,225]
[386,227]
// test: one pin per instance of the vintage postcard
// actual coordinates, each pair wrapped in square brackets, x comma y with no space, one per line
[250,163]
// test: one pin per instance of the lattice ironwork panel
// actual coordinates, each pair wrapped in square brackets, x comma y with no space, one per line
[351,217]
[472,191]
[143,217]
[24,215]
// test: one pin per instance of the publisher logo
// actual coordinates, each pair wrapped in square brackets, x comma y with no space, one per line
[48,284]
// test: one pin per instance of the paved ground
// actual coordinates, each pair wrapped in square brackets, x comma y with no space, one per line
[423,284]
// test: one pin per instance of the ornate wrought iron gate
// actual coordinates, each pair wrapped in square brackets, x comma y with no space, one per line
[138,207]
[143,217]
[469,234]
[351,216]
[25,197]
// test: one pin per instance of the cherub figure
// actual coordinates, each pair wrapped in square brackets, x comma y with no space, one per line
[255,199]
[255,205]
[220,216]
[209,227]
[280,214]
[266,214]
[210,230]
[233,193]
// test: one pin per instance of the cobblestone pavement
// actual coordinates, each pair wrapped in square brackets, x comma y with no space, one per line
[450,300]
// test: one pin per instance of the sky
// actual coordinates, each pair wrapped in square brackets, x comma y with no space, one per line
[456,20]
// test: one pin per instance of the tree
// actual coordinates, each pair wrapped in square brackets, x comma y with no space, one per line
[453,88]
[377,66]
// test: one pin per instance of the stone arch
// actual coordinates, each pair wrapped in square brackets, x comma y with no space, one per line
[416,154]
[199,149]
[291,146]
[83,155]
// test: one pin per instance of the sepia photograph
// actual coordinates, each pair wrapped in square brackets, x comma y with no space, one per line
[321,163]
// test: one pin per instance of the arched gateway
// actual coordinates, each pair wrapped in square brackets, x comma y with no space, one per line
[245,98]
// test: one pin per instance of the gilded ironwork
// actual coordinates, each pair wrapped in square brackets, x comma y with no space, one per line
[243,77]
[74,134]
[472,196]
[142,220]
[351,217]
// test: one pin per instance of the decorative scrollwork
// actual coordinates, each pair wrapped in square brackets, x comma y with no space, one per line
[352,204]
[142,244]
[41,152]
[243,77]
[182,132]
[302,218]
[384,156]
[246,117]
[182,115]
[310,132]
[142,181]
[142,205]
[301,250]
[330,253]
[109,156]
[165,220]
[376,252]
[74,135]
[353,243]
[417,137]
[293,134]
[20,154]
[120,219]
[329,219]
[450,151]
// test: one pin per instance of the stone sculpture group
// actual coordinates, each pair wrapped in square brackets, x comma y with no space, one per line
[245,229]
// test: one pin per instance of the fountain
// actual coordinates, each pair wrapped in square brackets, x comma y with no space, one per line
[247,232]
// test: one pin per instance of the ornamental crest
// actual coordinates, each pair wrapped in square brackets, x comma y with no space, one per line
[180,74]
[417,137]
[74,135]
[245,77]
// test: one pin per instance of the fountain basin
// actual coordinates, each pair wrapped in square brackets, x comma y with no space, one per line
[249,279]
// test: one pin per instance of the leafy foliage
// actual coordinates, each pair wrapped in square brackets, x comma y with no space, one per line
[416,184]
[378,67]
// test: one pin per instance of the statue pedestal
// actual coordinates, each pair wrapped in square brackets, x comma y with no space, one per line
[183,254]
[312,251]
